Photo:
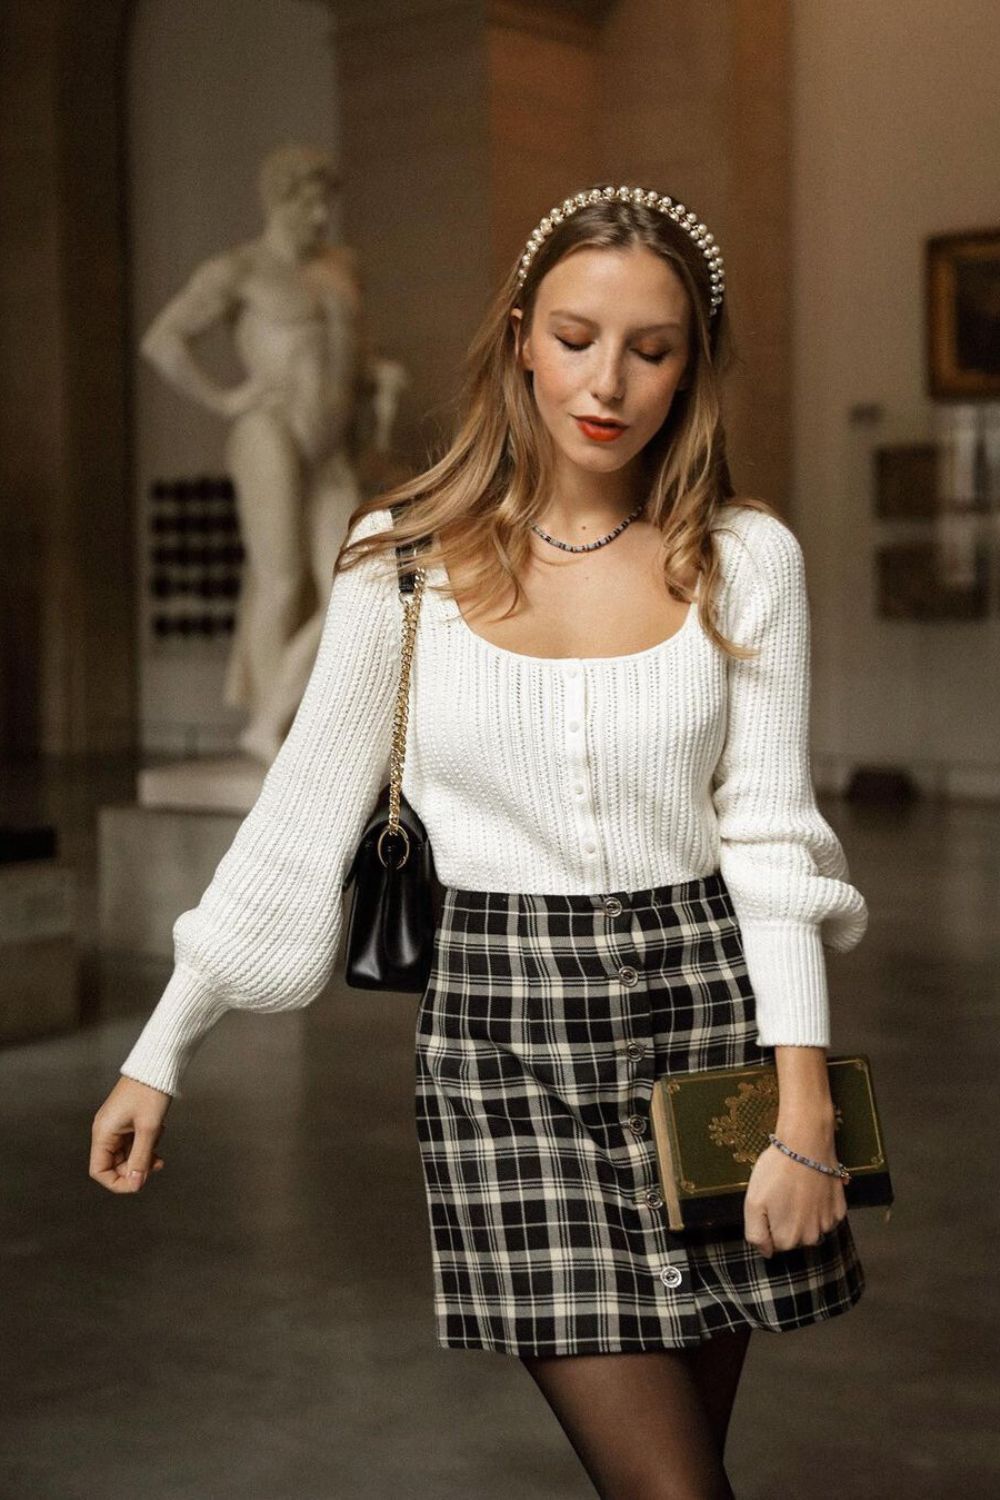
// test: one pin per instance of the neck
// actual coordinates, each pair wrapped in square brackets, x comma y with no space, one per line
[280,243]
[585,505]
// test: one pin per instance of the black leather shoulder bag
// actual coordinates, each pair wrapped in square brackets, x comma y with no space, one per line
[397,895]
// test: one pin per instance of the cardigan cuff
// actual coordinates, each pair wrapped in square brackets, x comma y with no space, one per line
[186,1012]
[787,968]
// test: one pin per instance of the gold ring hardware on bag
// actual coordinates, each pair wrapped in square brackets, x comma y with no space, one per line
[399,832]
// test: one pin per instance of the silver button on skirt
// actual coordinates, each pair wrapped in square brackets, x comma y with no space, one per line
[543,1024]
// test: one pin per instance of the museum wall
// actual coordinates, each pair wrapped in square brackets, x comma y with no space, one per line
[210,89]
[896,137]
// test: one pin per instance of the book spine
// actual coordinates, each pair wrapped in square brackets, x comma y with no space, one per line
[663,1142]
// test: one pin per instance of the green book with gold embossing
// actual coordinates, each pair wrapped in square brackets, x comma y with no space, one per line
[710,1126]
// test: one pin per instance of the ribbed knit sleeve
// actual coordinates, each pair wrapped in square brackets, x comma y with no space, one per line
[265,934]
[782,862]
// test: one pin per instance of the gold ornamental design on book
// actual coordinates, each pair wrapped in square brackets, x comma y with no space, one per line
[752,1114]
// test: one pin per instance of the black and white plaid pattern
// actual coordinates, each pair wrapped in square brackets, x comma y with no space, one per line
[544,1022]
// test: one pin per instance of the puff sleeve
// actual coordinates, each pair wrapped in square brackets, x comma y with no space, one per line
[784,866]
[266,932]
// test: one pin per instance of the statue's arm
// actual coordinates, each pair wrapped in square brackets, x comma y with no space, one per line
[211,295]
[390,379]
[381,380]
[350,261]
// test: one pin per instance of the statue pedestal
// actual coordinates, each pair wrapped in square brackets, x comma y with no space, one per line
[156,858]
[216,784]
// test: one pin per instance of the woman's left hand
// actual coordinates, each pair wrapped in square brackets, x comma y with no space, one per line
[787,1203]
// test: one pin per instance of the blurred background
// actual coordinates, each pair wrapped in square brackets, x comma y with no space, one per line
[257,1321]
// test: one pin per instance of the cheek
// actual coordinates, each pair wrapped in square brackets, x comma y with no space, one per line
[658,395]
[555,380]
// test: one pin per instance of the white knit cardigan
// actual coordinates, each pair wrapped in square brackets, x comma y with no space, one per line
[535,774]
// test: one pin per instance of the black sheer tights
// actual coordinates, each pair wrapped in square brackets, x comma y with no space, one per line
[648,1426]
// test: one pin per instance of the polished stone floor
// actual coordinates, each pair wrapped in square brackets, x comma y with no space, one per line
[256,1323]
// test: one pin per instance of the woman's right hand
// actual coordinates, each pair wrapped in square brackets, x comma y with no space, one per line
[124,1134]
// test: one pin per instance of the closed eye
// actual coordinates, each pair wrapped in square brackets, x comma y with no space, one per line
[651,359]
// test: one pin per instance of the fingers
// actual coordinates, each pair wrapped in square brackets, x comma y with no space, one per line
[140,1158]
[766,1239]
[757,1229]
[123,1151]
[787,1205]
[122,1161]
[105,1154]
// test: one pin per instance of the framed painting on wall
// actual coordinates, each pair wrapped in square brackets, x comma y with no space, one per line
[963,315]
[906,482]
[911,585]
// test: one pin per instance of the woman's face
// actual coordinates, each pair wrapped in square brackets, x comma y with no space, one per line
[608,341]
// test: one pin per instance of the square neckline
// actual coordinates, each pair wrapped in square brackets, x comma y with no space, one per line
[440,573]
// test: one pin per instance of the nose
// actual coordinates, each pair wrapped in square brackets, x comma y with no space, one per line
[607,383]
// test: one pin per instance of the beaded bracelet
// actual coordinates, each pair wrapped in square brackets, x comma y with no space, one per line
[838,1171]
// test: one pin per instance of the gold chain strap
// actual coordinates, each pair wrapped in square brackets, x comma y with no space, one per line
[411,608]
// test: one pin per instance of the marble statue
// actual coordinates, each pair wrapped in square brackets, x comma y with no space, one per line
[294,304]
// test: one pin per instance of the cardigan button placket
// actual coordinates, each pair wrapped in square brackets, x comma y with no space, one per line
[576,756]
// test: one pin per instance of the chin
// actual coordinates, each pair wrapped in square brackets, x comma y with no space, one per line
[601,460]
[605,463]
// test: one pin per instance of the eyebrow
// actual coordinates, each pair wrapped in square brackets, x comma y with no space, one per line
[562,312]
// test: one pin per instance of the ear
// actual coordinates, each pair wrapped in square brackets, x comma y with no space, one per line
[521,345]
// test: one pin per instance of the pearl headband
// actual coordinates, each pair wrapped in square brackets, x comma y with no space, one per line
[686,220]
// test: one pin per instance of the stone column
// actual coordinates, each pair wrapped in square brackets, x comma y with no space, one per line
[544,64]
[695,100]
[67,639]
[461,122]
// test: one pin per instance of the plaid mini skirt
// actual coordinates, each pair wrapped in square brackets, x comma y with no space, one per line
[544,1022]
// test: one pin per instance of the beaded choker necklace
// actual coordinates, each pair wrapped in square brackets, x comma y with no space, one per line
[601,541]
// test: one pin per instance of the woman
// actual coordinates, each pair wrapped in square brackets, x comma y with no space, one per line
[614,775]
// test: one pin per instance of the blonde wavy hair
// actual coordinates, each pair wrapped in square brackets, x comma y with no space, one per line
[478,501]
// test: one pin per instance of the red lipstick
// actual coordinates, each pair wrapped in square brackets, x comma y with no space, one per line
[600,429]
